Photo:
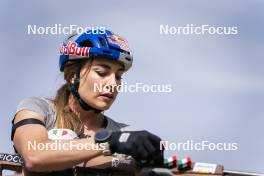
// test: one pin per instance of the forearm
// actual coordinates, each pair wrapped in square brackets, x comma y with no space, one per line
[58,154]
[117,162]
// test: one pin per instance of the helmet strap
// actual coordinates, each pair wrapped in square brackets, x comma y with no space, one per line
[74,90]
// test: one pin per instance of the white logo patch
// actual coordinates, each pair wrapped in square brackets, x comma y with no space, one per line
[124,137]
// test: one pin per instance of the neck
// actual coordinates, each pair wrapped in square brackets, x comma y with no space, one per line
[90,119]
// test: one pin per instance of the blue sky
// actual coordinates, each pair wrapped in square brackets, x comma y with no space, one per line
[217,80]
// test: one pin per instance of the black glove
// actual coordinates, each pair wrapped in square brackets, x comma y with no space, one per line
[141,145]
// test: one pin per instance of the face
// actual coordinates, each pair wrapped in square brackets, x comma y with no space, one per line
[99,81]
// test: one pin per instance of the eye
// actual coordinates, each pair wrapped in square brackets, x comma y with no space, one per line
[101,73]
[118,77]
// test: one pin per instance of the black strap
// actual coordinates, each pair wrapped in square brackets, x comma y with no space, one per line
[24,122]
[74,90]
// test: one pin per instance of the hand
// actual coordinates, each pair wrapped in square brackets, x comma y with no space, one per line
[141,145]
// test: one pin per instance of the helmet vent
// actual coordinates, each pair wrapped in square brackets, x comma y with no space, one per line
[102,41]
[86,43]
[128,59]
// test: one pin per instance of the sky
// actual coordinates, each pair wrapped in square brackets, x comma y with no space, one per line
[216,80]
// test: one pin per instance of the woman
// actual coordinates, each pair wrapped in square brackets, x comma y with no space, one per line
[87,60]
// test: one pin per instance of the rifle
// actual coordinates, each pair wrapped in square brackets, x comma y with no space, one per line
[14,163]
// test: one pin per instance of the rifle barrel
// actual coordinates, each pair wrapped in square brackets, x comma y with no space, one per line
[239,173]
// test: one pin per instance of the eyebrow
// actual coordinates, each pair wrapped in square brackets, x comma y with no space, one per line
[109,67]
[104,65]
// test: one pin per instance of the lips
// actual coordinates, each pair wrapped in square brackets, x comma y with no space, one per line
[107,95]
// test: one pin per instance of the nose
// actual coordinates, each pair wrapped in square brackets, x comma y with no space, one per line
[112,82]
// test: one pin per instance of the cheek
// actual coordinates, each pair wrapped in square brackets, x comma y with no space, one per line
[87,85]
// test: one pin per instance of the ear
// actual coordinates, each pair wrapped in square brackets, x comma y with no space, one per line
[73,78]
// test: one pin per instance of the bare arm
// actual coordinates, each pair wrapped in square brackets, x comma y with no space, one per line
[116,163]
[38,160]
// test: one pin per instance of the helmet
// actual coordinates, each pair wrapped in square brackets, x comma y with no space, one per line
[92,44]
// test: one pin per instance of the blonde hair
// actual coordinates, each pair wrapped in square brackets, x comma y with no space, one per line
[66,118]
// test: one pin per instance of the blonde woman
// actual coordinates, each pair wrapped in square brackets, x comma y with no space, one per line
[86,60]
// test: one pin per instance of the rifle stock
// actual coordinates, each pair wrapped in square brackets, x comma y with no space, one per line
[14,163]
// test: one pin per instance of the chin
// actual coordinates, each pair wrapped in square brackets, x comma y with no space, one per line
[100,104]
[103,106]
